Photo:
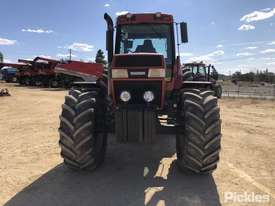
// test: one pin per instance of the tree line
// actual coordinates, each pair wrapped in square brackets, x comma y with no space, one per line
[259,76]
[1,57]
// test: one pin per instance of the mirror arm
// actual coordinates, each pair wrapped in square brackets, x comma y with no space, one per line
[178,42]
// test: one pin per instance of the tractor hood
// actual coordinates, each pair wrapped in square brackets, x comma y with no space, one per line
[138,60]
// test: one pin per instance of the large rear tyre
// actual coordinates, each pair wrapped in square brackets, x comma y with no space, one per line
[83,133]
[199,132]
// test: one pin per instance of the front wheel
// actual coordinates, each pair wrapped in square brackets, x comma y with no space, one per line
[27,81]
[53,83]
[83,135]
[199,131]
[38,82]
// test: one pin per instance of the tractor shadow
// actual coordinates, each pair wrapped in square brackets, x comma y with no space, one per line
[120,181]
[47,89]
[41,88]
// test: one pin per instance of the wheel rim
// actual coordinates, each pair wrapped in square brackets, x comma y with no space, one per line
[54,83]
[38,83]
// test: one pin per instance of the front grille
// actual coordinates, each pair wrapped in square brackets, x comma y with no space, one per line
[137,89]
[139,61]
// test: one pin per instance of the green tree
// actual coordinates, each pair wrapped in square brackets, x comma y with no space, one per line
[237,76]
[100,58]
[1,57]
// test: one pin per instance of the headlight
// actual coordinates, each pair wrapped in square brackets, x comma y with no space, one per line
[156,73]
[119,73]
[125,96]
[148,96]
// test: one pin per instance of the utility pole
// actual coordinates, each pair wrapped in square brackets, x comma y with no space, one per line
[70,57]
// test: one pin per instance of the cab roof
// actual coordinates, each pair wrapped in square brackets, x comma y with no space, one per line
[195,64]
[142,18]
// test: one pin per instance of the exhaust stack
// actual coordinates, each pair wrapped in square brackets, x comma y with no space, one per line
[109,37]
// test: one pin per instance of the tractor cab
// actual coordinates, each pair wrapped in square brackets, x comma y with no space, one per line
[9,74]
[196,68]
[150,36]
[200,72]
[11,71]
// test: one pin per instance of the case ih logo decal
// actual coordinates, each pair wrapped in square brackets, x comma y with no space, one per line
[138,73]
[141,73]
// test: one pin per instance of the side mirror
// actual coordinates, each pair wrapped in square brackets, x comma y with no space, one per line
[183,32]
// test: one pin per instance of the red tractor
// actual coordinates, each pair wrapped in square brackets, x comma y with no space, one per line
[144,80]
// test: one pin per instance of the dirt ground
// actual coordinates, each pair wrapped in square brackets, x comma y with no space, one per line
[32,173]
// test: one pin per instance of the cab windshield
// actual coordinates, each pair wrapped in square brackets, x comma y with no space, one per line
[145,38]
[197,69]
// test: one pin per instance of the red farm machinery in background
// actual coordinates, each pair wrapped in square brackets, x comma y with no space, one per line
[39,73]
[26,76]
[20,70]
[46,72]
[67,72]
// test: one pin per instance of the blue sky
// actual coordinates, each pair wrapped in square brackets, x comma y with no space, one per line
[232,34]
